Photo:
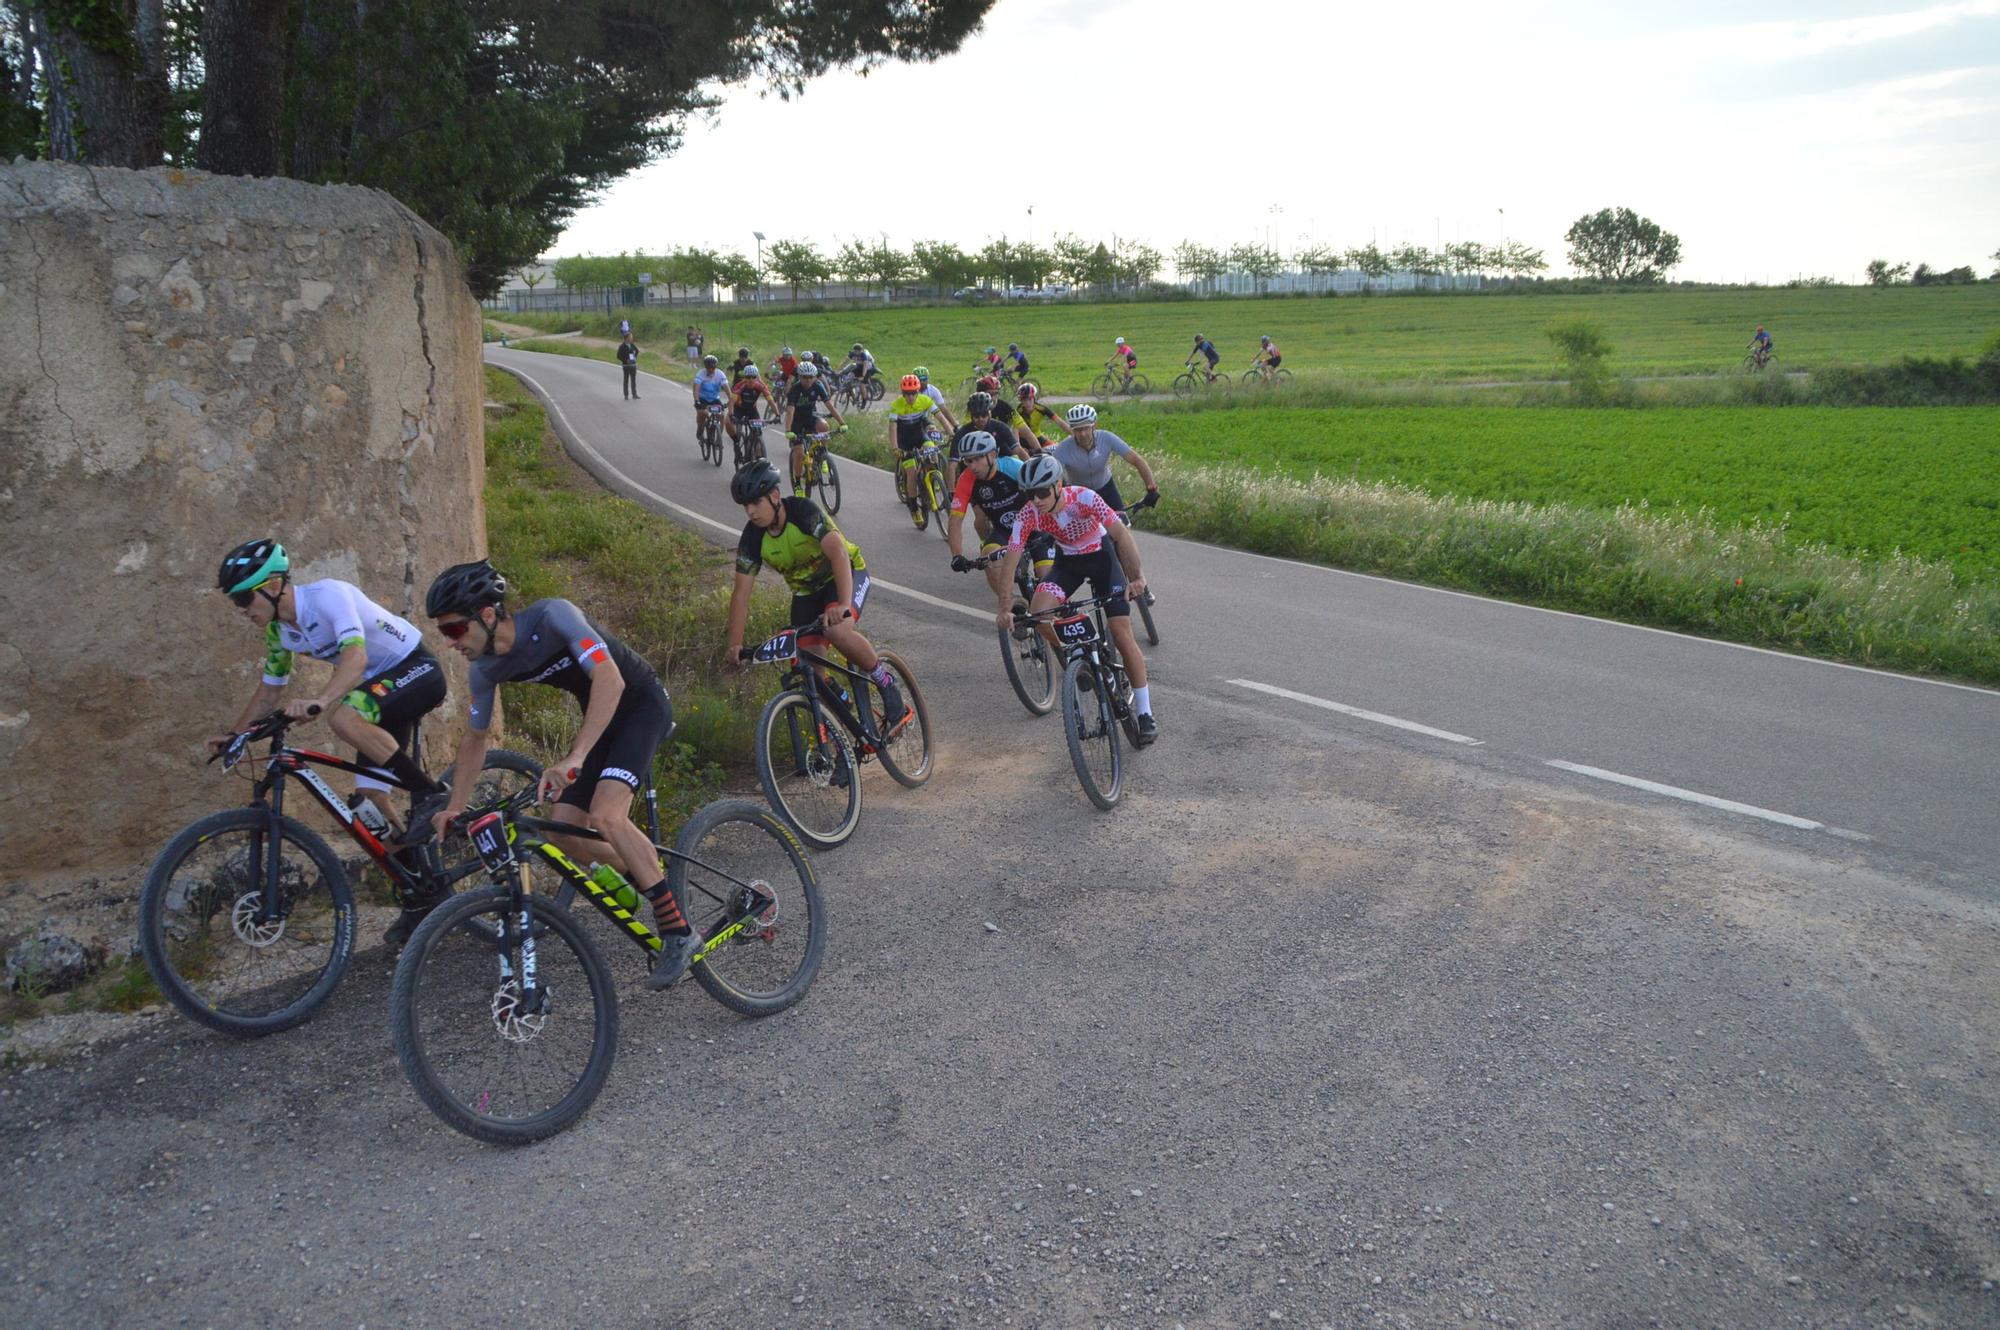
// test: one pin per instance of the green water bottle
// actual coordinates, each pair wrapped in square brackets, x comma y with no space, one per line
[615,886]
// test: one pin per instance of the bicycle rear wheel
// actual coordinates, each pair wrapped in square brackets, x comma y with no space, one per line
[875,391]
[1139,387]
[204,944]
[477,1056]
[827,481]
[1031,669]
[1092,734]
[736,864]
[808,771]
[907,757]
[934,497]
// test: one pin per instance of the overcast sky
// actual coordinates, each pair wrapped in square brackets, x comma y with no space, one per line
[1776,140]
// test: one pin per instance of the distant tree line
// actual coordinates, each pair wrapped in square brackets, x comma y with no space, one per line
[494,120]
[1881,272]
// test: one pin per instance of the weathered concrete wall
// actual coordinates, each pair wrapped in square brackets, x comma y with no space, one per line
[189,361]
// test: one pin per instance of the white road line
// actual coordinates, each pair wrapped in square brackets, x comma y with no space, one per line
[569,430]
[1709,800]
[1358,713]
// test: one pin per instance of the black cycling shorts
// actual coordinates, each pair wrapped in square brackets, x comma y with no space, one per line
[397,698]
[807,608]
[624,752]
[1100,568]
[1109,493]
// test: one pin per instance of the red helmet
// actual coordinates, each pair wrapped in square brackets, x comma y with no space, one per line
[912,384]
[988,384]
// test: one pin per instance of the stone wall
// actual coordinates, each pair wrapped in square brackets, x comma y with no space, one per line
[186,362]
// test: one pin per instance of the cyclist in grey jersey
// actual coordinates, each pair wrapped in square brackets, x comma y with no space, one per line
[1086,458]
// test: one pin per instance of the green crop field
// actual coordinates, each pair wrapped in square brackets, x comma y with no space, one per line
[1864,481]
[1370,338]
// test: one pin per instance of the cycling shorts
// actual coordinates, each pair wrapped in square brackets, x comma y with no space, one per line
[1274,359]
[1100,568]
[624,752]
[397,698]
[1112,498]
[811,605]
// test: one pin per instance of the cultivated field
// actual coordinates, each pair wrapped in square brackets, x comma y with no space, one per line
[1371,338]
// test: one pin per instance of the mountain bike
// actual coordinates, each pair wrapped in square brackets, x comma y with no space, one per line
[821,474]
[1114,383]
[932,501]
[1755,362]
[749,442]
[1200,380]
[247,919]
[1096,697]
[1259,377]
[811,745]
[1029,659]
[503,1008]
[1009,381]
[708,434]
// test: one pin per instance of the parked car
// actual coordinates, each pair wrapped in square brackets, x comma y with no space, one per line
[973,293]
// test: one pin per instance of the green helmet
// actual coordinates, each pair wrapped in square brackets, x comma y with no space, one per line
[922,373]
[252,564]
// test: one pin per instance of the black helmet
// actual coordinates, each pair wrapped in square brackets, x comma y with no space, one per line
[753,482]
[709,362]
[742,351]
[252,564]
[980,404]
[465,588]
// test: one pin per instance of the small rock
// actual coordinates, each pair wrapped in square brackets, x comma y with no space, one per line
[1795,1279]
[992,927]
[1608,1206]
[53,962]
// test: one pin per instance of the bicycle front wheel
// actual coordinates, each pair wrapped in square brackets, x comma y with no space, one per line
[1104,385]
[826,479]
[808,771]
[1092,734]
[1186,385]
[906,757]
[1281,378]
[746,886]
[216,953]
[1030,668]
[497,1063]
[934,493]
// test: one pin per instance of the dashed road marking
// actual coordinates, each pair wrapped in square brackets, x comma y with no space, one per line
[1358,713]
[1709,800]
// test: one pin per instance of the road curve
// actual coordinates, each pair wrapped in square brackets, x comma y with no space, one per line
[1903,765]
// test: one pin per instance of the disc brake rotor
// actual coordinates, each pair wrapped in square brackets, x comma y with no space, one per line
[514,1025]
[243,919]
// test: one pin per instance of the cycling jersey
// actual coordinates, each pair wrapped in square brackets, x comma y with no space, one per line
[333,616]
[1078,523]
[1271,349]
[1131,357]
[912,419]
[804,398]
[1207,349]
[745,394]
[736,368]
[553,644]
[1031,413]
[1762,337]
[1003,435]
[788,365]
[794,551]
[710,385]
[1092,469]
[862,366]
[999,496]
[1020,360]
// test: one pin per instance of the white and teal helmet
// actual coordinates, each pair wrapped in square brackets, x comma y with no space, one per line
[252,564]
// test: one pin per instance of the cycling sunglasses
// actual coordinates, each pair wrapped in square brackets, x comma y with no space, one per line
[1041,493]
[457,628]
[241,599]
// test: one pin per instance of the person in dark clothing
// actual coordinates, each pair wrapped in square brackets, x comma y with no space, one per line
[628,356]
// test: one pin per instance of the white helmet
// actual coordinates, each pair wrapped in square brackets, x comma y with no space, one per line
[976,443]
[785,351]
[1083,413]
[808,370]
[1121,341]
[1042,473]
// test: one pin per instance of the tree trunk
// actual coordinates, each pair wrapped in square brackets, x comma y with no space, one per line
[321,122]
[94,105]
[243,95]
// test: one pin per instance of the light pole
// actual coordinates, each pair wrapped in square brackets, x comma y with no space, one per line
[760,265]
[1031,223]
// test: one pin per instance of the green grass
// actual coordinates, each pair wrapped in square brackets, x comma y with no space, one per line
[662,590]
[1864,481]
[1370,339]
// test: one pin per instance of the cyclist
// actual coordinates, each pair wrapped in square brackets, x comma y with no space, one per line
[1025,442]
[992,360]
[384,680]
[979,406]
[805,399]
[860,364]
[989,484]
[1267,357]
[1761,346]
[1080,522]
[744,360]
[909,430]
[746,399]
[1029,405]
[1086,458]
[626,716]
[937,395]
[711,385]
[788,368]
[1017,361]
[1205,349]
[1124,358]
[828,577]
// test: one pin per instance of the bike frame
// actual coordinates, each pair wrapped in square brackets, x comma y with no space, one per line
[803,674]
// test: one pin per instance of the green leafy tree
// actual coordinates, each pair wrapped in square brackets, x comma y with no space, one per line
[1319,261]
[996,261]
[1416,259]
[1582,347]
[494,120]
[1370,260]
[1258,262]
[1032,264]
[736,272]
[944,265]
[1199,263]
[1618,245]
[1519,260]
[1138,262]
[532,279]
[1883,273]
[799,263]
[1075,259]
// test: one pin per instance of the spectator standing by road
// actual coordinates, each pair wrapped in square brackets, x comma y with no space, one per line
[628,357]
[624,327]
[694,344]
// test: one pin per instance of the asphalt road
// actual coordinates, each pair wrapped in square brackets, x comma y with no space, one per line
[1332,1024]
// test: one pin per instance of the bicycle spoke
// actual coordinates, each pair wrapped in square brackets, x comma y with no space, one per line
[741,871]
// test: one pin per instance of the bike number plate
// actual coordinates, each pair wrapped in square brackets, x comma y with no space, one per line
[782,647]
[1076,631]
[489,837]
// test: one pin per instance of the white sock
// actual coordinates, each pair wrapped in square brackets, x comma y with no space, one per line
[1142,698]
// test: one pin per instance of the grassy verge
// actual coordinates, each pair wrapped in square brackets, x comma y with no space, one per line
[126,986]
[662,590]
[1750,584]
